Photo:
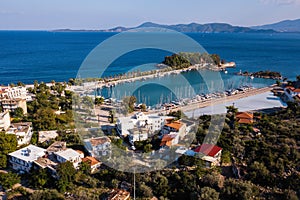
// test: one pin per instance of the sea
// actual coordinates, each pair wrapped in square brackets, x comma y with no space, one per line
[27,56]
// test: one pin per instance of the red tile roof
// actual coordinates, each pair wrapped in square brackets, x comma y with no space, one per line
[90,160]
[176,125]
[297,90]
[244,115]
[208,149]
[167,140]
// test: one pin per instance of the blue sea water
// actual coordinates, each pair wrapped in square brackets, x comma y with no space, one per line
[44,56]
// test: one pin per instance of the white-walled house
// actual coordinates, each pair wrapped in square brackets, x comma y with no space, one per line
[4,120]
[97,147]
[13,97]
[69,155]
[93,163]
[140,120]
[22,130]
[22,159]
[138,134]
[210,153]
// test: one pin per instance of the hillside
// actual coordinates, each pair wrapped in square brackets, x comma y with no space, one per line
[283,26]
[194,27]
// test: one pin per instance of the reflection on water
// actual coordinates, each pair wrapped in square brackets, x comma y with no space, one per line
[174,87]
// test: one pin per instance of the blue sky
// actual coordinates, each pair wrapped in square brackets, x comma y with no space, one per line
[100,14]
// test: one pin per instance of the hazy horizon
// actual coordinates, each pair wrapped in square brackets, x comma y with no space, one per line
[98,14]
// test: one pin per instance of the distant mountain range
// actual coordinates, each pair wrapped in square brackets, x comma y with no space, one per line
[283,26]
[195,28]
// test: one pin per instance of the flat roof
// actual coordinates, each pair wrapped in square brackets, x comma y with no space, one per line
[29,153]
[67,154]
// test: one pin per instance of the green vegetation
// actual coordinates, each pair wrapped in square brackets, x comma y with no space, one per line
[184,59]
[8,180]
[264,74]
[8,144]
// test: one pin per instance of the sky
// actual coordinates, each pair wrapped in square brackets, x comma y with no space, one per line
[100,14]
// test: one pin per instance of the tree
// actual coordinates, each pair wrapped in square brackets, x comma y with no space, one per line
[66,173]
[44,119]
[208,193]
[39,178]
[18,113]
[99,100]
[8,144]
[46,195]
[8,180]
[129,103]
[87,102]
[143,107]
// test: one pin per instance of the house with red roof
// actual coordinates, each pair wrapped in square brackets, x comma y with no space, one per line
[93,163]
[169,140]
[209,153]
[244,117]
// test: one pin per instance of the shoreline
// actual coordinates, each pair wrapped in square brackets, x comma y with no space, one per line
[217,101]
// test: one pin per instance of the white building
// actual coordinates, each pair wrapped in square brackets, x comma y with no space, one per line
[69,155]
[209,153]
[138,134]
[22,159]
[22,130]
[13,92]
[13,97]
[47,135]
[97,147]
[140,120]
[93,163]
[4,121]
[291,92]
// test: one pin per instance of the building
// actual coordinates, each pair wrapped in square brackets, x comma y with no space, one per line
[290,92]
[69,155]
[97,147]
[13,97]
[209,153]
[4,121]
[56,147]
[175,127]
[138,134]
[22,130]
[46,163]
[93,163]
[117,194]
[169,140]
[244,117]
[46,136]
[22,159]
[12,104]
[13,92]
[140,120]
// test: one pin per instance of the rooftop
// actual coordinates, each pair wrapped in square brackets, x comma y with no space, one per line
[29,153]
[244,115]
[45,162]
[68,153]
[117,194]
[99,140]
[91,160]
[47,135]
[175,125]
[167,140]
[19,127]
[57,146]
[208,149]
